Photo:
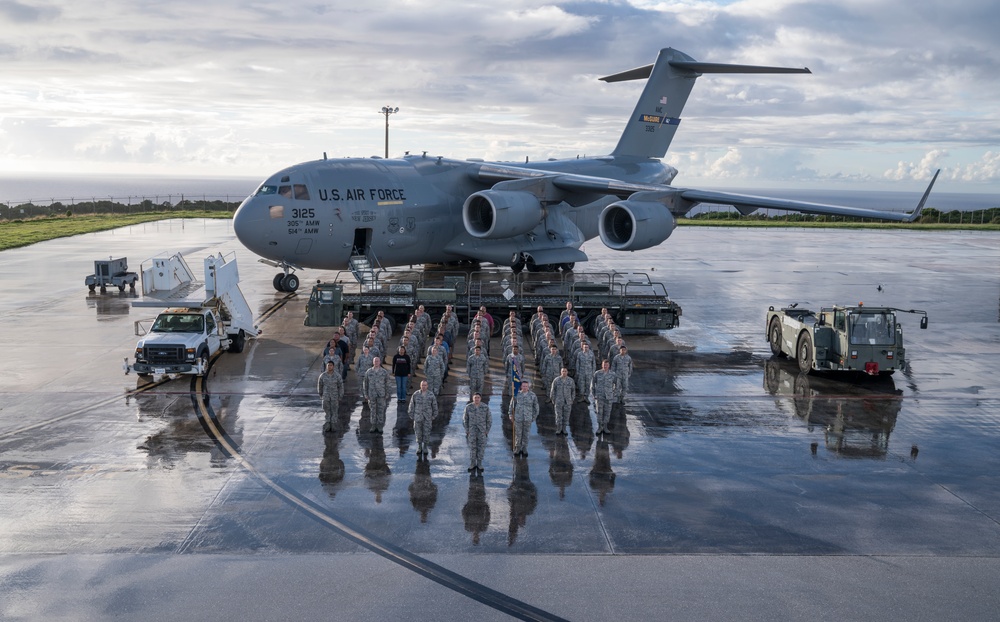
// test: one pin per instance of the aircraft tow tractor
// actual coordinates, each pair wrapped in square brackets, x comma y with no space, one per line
[840,338]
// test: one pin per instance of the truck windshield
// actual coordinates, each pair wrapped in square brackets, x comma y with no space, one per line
[876,329]
[179,323]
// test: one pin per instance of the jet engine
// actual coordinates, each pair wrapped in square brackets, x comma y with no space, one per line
[634,225]
[497,214]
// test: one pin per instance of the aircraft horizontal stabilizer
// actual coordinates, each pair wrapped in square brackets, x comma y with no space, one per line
[641,73]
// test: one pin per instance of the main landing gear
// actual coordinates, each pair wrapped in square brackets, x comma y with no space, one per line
[525,261]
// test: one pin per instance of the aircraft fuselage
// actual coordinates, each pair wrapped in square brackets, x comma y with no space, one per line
[403,211]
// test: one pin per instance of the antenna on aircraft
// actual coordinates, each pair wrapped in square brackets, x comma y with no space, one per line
[388,110]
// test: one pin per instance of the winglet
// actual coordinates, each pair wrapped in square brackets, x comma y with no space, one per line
[916,213]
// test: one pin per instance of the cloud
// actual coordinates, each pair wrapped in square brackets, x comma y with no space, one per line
[19,13]
[228,85]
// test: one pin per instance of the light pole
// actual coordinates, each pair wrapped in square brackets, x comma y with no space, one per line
[388,110]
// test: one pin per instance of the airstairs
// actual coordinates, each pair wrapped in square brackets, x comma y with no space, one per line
[168,281]
[365,270]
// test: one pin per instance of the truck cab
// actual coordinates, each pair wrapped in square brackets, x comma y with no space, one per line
[180,341]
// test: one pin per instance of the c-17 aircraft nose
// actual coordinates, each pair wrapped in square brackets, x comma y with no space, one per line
[249,223]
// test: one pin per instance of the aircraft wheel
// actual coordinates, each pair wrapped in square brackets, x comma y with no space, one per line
[774,336]
[289,283]
[278,278]
[518,265]
[805,353]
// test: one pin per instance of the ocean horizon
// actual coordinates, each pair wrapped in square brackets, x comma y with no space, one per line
[44,190]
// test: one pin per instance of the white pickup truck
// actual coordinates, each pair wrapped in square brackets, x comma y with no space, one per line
[184,337]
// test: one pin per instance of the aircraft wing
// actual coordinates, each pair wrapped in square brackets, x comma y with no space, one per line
[690,197]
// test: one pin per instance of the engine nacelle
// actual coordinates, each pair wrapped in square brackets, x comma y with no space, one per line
[497,214]
[634,225]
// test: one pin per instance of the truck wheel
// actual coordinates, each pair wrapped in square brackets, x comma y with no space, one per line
[774,336]
[805,353]
[236,343]
[121,287]
[92,287]
[203,357]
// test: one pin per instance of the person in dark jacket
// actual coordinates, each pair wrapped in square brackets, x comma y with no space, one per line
[402,369]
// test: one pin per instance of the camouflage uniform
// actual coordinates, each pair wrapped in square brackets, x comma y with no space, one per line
[551,365]
[330,387]
[524,409]
[351,326]
[477,422]
[622,369]
[586,365]
[423,409]
[364,364]
[434,370]
[338,364]
[562,392]
[379,384]
[604,394]
[477,366]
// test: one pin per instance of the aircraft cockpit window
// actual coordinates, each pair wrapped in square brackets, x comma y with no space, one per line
[285,191]
[277,211]
[265,189]
[301,192]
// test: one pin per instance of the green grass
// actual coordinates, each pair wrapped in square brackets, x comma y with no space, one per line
[837,225]
[17,233]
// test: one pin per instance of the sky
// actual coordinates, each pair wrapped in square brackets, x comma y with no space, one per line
[243,88]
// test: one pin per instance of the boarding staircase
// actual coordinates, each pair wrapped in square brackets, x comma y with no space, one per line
[475,299]
[366,270]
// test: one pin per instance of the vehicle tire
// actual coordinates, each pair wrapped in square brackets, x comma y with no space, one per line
[278,278]
[121,287]
[203,357]
[774,336]
[92,287]
[518,265]
[567,267]
[237,343]
[805,353]
[290,283]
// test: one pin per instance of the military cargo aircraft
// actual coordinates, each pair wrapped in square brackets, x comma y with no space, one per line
[333,214]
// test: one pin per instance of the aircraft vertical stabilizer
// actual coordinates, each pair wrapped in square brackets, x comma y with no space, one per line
[658,112]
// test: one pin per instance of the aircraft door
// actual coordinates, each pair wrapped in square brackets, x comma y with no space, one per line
[362,241]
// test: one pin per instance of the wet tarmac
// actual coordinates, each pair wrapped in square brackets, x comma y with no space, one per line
[731,486]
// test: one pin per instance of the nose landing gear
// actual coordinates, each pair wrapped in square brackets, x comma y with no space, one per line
[286,282]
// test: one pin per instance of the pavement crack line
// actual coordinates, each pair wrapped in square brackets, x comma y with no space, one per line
[430,570]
